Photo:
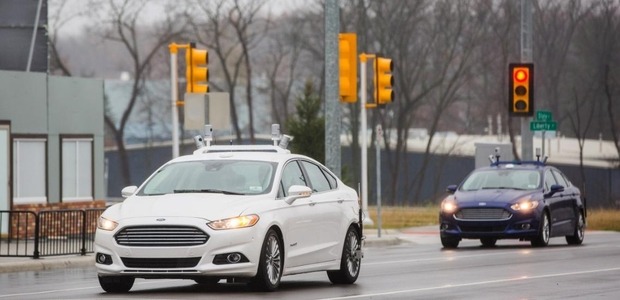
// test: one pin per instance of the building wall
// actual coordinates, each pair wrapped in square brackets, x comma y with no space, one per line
[35,103]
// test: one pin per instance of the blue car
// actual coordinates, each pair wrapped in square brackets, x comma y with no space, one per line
[529,201]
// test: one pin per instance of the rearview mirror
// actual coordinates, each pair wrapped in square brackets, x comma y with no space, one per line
[297,192]
[556,188]
[451,188]
[128,191]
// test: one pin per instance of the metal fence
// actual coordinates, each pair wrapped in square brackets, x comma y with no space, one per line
[47,233]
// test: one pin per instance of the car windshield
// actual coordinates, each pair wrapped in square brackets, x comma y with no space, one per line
[238,177]
[502,179]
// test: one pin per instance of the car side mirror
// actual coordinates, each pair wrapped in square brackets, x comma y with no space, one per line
[128,191]
[297,192]
[452,188]
[556,188]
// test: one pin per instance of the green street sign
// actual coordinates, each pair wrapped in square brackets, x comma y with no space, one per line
[543,126]
[543,116]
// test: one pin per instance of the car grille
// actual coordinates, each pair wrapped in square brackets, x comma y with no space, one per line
[482,228]
[488,214]
[161,236]
[160,263]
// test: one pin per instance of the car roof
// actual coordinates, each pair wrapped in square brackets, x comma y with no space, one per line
[516,165]
[242,152]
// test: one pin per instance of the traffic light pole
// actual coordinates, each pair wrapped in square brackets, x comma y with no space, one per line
[364,140]
[174,92]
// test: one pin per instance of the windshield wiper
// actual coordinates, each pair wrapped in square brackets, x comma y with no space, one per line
[208,191]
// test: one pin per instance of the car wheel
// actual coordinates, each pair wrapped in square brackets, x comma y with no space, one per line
[450,242]
[542,239]
[270,265]
[488,242]
[577,237]
[116,284]
[350,263]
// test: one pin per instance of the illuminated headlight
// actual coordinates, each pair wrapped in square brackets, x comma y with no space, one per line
[105,224]
[233,223]
[448,205]
[525,205]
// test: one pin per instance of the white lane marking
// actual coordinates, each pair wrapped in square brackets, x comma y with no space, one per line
[82,288]
[449,286]
[526,251]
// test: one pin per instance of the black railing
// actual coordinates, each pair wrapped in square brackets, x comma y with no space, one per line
[47,233]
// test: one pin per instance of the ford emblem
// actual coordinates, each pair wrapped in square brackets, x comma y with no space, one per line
[160,220]
[482,204]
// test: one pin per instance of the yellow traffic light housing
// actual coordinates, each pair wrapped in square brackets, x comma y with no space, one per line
[347,56]
[197,72]
[384,81]
[521,90]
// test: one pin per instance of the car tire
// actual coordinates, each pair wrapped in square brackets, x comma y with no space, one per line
[488,242]
[350,263]
[578,235]
[116,284]
[450,242]
[542,239]
[270,265]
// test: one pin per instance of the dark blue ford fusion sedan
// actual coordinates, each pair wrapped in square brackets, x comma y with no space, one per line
[529,201]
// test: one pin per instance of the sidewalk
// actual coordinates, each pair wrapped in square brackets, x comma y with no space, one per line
[389,237]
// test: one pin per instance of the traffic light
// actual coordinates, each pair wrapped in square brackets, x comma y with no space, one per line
[384,81]
[347,56]
[521,89]
[197,72]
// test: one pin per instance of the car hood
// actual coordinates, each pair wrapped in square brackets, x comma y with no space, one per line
[490,197]
[209,206]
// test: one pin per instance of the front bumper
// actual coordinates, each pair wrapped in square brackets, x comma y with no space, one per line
[180,261]
[518,226]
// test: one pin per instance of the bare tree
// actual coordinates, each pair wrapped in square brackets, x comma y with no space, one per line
[232,29]
[122,22]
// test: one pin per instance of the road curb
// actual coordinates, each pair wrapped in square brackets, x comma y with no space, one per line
[30,264]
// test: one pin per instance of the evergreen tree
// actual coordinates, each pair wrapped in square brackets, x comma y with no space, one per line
[308,125]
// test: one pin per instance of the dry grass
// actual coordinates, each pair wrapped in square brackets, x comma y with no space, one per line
[402,217]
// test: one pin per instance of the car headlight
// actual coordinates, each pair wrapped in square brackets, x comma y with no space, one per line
[449,205]
[525,205]
[233,223]
[105,224]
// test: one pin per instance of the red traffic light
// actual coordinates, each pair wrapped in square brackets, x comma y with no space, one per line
[520,75]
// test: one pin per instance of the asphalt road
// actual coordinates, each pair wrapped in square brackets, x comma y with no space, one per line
[419,269]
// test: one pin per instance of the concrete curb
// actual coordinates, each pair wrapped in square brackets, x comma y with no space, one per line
[30,264]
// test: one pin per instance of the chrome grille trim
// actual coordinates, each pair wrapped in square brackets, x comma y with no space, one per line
[482,214]
[161,236]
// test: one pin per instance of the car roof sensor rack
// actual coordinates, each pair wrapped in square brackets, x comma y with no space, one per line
[280,143]
[495,162]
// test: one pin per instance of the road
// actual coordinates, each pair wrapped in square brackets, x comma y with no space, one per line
[416,270]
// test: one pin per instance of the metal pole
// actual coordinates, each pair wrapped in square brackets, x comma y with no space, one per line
[332,104]
[364,142]
[34,36]
[527,138]
[379,135]
[174,94]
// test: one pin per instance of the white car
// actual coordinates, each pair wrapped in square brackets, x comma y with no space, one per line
[240,213]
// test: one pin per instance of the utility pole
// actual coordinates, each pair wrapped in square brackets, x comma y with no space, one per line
[527,136]
[332,103]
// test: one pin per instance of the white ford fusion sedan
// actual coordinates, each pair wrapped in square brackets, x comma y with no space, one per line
[240,213]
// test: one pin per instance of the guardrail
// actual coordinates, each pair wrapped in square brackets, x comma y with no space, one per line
[47,233]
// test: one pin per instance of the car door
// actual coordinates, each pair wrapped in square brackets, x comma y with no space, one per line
[331,223]
[567,206]
[554,201]
[299,220]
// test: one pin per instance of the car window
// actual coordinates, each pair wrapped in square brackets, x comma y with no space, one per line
[502,179]
[233,176]
[549,180]
[291,175]
[333,183]
[559,178]
[317,178]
